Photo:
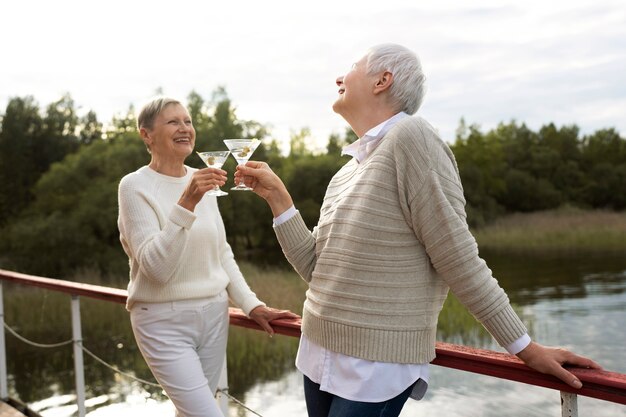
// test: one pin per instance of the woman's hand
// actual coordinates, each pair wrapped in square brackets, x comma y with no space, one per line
[265,183]
[549,360]
[202,180]
[264,315]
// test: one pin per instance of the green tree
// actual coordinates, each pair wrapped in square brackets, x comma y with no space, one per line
[59,176]
[217,120]
[58,137]
[349,136]
[21,127]
[197,111]
[123,123]
[241,212]
[518,143]
[606,185]
[72,222]
[307,180]
[526,193]
[202,124]
[335,144]
[29,144]
[299,143]
[90,129]
[603,146]
[481,166]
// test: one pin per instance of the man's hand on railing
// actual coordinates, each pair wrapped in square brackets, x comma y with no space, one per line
[264,315]
[550,360]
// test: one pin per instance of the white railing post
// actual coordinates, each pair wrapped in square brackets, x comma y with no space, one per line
[4,389]
[569,404]
[222,386]
[78,356]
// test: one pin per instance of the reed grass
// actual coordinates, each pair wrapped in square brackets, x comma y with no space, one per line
[562,231]
[278,287]
[252,355]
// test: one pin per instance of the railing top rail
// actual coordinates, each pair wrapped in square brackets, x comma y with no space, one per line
[605,385]
[74,288]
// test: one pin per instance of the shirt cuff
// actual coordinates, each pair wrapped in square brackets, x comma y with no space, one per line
[285,215]
[519,345]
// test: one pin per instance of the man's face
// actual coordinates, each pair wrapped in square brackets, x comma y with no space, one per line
[355,89]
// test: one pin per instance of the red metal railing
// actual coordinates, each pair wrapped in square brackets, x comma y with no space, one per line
[604,385]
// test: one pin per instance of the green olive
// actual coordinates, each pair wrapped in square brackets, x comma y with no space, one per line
[211,160]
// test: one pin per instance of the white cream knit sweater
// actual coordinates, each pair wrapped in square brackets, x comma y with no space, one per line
[392,238]
[175,254]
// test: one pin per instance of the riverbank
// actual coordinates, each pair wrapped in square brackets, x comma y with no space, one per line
[562,231]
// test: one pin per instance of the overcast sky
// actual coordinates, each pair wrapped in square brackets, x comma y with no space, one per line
[560,61]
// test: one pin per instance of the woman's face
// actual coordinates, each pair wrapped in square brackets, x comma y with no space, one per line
[172,134]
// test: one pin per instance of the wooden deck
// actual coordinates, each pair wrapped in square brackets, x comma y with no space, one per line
[7,411]
[14,408]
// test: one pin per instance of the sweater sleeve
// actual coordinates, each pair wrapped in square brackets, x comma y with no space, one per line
[437,215]
[237,288]
[157,249]
[298,244]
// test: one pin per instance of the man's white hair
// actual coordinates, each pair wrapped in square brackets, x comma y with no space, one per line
[408,88]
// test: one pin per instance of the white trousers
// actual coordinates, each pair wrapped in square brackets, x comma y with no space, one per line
[184,344]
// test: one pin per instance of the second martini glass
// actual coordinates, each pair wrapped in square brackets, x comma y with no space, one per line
[242,150]
[214,160]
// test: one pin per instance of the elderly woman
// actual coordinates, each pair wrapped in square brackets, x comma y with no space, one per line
[182,270]
[391,241]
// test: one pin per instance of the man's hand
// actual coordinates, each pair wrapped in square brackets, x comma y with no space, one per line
[265,183]
[550,360]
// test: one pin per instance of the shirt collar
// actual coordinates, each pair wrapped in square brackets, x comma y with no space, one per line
[362,147]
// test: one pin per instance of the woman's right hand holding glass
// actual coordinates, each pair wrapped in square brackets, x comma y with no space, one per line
[202,180]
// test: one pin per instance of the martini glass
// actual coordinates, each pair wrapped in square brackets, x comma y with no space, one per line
[214,160]
[242,150]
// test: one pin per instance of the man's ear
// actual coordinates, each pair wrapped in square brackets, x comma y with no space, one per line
[383,82]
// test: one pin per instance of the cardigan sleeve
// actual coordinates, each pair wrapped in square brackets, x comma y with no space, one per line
[298,244]
[437,215]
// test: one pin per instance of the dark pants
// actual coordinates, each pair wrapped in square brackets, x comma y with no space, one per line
[323,404]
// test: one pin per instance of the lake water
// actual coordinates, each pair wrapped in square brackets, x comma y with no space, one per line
[577,302]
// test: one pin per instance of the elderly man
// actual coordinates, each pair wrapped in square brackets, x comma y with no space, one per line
[392,239]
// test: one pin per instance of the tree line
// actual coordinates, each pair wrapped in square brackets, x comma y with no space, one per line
[59,175]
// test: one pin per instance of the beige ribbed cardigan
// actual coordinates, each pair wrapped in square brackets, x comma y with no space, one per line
[392,238]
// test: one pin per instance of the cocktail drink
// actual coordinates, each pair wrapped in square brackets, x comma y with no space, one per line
[214,160]
[242,150]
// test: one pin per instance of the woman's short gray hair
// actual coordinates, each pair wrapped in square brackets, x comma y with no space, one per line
[408,88]
[151,110]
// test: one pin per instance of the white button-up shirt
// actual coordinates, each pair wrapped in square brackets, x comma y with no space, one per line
[350,377]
